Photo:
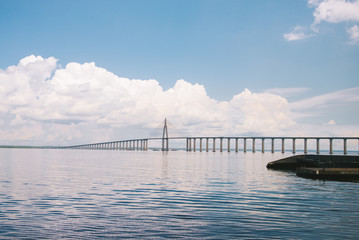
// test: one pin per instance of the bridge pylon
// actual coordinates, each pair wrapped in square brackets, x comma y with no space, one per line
[165,137]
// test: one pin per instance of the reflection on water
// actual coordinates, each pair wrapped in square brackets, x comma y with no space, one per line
[108,194]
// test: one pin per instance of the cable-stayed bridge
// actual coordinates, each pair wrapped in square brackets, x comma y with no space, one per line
[223,143]
[217,143]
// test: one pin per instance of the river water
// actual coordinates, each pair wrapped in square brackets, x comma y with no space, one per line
[89,194]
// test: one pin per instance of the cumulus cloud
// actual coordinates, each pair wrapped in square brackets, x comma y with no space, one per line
[254,108]
[45,103]
[21,84]
[335,11]
[353,34]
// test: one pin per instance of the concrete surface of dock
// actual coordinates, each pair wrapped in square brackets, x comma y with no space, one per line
[326,167]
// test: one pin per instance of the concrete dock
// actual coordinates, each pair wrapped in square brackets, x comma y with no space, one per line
[328,167]
[315,161]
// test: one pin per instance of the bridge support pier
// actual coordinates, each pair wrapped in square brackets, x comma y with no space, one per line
[221,145]
[345,145]
[272,145]
[282,145]
[253,145]
[262,145]
[293,145]
[214,145]
[244,144]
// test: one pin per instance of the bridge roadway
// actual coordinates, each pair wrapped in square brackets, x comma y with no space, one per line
[191,143]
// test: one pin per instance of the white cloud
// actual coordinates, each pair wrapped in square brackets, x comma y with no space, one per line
[328,100]
[21,84]
[287,92]
[296,34]
[353,34]
[86,103]
[312,3]
[263,112]
[325,130]
[335,11]
[330,11]
[331,122]
[44,104]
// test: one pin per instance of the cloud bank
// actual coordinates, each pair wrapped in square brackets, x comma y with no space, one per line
[44,103]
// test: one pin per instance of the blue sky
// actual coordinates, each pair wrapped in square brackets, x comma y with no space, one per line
[226,46]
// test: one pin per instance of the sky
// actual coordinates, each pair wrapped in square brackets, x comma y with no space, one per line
[74,72]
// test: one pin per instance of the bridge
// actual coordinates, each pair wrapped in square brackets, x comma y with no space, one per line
[207,144]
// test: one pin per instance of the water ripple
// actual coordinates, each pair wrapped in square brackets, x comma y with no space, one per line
[105,194]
